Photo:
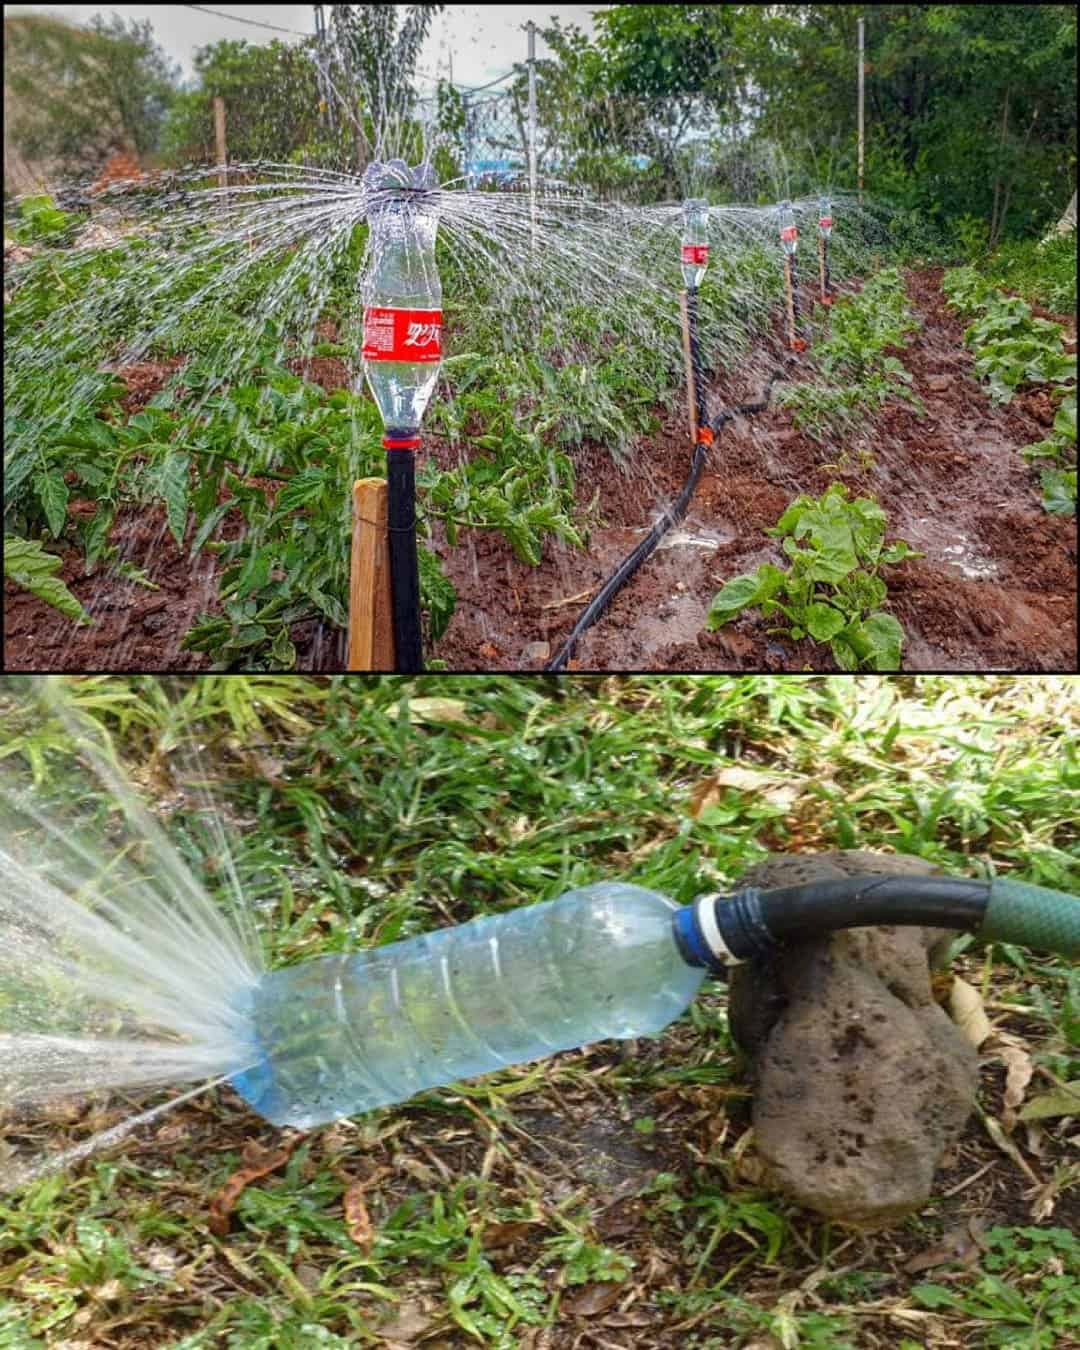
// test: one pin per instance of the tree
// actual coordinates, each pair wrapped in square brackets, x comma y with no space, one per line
[656,78]
[271,103]
[970,108]
[369,70]
[73,94]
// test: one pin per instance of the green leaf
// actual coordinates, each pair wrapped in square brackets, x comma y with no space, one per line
[1059,491]
[823,621]
[886,638]
[282,650]
[1065,420]
[897,552]
[28,565]
[173,485]
[52,493]
[96,533]
[732,597]
[307,486]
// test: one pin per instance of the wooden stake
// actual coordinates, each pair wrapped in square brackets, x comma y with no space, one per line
[371,630]
[691,392]
[790,300]
[219,133]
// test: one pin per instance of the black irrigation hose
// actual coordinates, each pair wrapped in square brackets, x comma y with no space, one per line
[404,572]
[671,517]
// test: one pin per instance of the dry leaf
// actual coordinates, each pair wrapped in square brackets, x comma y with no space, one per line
[357,1220]
[437,710]
[258,1162]
[959,1244]
[592,1299]
[498,1236]
[1013,1053]
[966,1009]
[1064,1100]
[778,792]
[408,1326]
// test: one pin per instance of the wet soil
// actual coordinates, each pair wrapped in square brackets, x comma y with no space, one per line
[995,591]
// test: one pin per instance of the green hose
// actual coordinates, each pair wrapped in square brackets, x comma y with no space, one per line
[1033,916]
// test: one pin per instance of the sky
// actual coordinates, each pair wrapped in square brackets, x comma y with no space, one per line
[480,41]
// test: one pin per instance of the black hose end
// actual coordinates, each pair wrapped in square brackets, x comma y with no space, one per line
[741,922]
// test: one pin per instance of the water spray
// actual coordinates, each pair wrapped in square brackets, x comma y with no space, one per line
[825,224]
[789,239]
[402,350]
[117,969]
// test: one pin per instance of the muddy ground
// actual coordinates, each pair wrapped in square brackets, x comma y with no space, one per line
[995,591]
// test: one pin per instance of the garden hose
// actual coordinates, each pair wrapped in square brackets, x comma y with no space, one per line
[717,931]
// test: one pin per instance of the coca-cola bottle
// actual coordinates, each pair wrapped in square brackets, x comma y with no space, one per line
[402,296]
[824,233]
[695,241]
[789,234]
[402,349]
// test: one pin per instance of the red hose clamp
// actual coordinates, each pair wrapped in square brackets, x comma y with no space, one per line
[704,436]
[412,444]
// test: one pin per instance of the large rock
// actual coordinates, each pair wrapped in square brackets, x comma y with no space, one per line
[862,1081]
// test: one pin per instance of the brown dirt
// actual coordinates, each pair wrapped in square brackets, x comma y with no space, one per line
[995,591]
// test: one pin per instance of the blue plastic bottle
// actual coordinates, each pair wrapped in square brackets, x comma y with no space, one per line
[344,1034]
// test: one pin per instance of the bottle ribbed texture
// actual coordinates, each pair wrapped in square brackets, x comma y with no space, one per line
[345,1034]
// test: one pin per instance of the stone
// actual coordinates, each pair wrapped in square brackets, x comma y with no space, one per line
[939,384]
[861,1080]
[536,653]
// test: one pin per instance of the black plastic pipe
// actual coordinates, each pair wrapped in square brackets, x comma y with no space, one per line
[671,517]
[404,569]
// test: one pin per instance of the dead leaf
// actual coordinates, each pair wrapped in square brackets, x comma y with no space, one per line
[997,1134]
[771,788]
[258,1162]
[357,1220]
[1064,1100]
[1013,1053]
[408,1326]
[506,1236]
[959,1244]
[966,1010]
[437,710]
[592,1299]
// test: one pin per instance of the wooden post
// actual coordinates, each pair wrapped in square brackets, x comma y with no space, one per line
[219,133]
[371,629]
[790,300]
[691,390]
[862,73]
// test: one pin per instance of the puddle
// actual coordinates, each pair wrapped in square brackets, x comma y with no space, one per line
[950,547]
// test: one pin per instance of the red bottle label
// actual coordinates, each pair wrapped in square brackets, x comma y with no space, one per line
[697,254]
[825,222]
[402,334]
[788,233]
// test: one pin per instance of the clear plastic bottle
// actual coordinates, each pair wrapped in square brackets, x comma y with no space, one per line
[695,241]
[825,217]
[344,1034]
[402,295]
[789,234]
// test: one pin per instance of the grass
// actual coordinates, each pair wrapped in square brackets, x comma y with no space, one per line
[605,1197]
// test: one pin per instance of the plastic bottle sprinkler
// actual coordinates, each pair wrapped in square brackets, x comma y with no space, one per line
[824,232]
[694,261]
[789,240]
[341,1034]
[402,350]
